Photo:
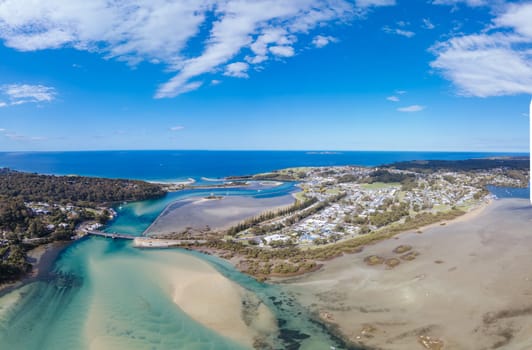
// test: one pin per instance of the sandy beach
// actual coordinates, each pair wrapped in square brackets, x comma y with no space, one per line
[218,303]
[42,259]
[470,287]
[217,214]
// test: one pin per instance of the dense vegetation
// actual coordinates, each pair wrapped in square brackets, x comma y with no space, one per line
[515,163]
[269,215]
[386,176]
[86,191]
[21,227]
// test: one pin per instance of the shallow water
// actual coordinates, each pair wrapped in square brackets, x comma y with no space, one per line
[105,294]
[134,218]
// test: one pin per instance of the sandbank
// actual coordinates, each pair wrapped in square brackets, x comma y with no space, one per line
[217,303]
[216,214]
[470,287]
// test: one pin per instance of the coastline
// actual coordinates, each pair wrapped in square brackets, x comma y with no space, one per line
[425,301]
[42,259]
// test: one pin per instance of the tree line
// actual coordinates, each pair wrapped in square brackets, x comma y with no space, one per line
[78,190]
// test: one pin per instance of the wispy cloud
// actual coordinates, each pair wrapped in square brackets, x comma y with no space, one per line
[320,41]
[398,31]
[427,24]
[369,3]
[410,109]
[13,136]
[472,3]
[393,98]
[492,63]
[282,51]
[159,31]
[177,128]
[237,70]
[24,93]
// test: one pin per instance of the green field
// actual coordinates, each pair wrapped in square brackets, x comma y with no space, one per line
[379,185]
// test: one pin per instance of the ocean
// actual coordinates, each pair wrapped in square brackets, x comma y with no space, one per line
[181,165]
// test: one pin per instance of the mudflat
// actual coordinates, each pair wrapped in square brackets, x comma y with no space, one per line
[463,285]
[198,214]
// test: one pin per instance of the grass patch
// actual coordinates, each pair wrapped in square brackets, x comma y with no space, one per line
[392,262]
[379,185]
[410,256]
[374,260]
[402,249]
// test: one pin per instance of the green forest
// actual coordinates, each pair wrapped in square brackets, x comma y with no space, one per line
[67,200]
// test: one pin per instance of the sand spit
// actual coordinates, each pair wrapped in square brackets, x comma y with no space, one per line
[220,304]
[470,287]
[202,214]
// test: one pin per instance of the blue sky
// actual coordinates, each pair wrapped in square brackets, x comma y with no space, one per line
[265,74]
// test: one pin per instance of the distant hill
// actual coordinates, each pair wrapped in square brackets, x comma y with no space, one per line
[510,163]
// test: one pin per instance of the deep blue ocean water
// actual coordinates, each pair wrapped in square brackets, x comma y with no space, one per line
[177,165]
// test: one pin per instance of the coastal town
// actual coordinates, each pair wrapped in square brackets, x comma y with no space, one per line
[364,200]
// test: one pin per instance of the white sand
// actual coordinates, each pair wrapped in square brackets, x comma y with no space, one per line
[478,295]
[216,302]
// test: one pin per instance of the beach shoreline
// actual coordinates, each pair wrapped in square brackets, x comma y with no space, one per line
[42,259]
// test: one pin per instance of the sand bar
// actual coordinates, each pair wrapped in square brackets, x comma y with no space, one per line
[216,302]
[470,287]
[213,213]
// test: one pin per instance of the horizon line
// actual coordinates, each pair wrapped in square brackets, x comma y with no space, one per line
[264,150]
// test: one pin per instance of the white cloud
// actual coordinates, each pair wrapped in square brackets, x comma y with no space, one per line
[215,82]
[320,41]
[177,128]
[494,63]
[2,104]
[400,92]
[393,98]
[237,70]
[25,93]
[427,24]
[402,32]
[472,3]
[158,31]
[413,108]
[282,51]
[369,3]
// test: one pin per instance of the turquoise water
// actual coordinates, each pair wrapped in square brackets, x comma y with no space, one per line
[102,292]
[133,218]
[105,294]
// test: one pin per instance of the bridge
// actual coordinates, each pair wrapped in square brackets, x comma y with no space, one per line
[112,235]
